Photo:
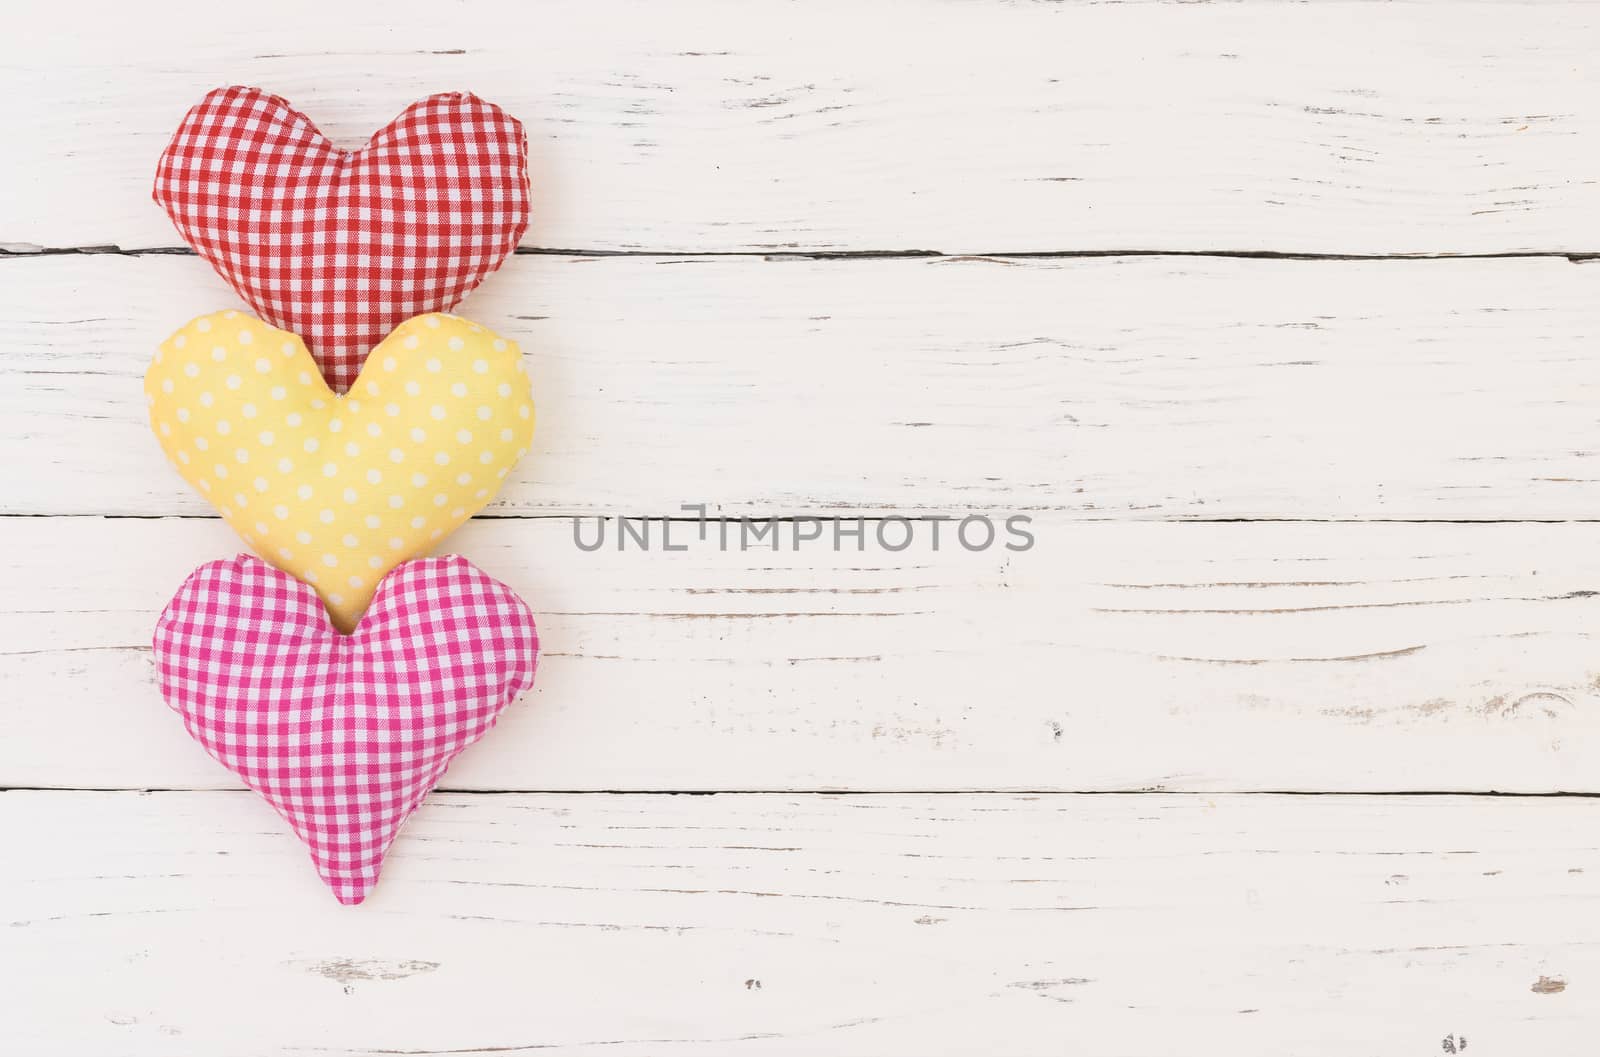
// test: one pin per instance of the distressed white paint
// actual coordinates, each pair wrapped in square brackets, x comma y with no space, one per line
[1112,398]
[190,924]
[1165,388]
[1110,656]
[963,127]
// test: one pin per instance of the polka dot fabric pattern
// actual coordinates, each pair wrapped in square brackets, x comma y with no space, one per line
[338,490]
[342,246]
[343,735]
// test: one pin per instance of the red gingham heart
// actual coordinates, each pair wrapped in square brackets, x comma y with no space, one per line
[343,735]
[340,247]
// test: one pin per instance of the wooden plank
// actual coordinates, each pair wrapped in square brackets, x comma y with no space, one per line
[1107,657]
[177,924]
[1170,388]
[720,125]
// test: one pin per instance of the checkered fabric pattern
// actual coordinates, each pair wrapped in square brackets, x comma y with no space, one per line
[340,247]
[343,735]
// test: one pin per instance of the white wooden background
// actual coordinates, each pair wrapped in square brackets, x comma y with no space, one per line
[1279,319]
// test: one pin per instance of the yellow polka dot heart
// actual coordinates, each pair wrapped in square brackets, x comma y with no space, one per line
[338,490]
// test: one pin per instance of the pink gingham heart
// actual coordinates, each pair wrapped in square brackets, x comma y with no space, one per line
[343,734]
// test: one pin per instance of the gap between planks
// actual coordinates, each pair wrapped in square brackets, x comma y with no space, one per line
[892,515]
[25,250]
[445,788]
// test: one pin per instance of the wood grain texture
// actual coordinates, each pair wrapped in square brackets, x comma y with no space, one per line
[191,924]
[1340,127]
[1108,657]
[1132,389]
[1131,404]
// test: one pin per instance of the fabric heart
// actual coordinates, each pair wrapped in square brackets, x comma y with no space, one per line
[341,246]
[343,735]
[340,489]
